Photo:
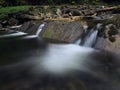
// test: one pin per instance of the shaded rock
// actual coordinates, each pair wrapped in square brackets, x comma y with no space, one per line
[90,21]
[113,45]
[62,30]
[4,22]
[65,15]
[111,41]
[1,26]
[115,20]
[100,44]
[34,11]
[112,31]
[106,44]
[72,11]
[5,31]
[30,27]
[13,21]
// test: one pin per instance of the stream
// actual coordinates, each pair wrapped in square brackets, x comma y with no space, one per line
[46,66]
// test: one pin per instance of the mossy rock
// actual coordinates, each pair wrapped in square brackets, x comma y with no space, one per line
[63,31]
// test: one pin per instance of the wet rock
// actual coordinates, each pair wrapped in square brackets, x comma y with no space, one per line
[100,44]
[108,45]
[112,40]
[62,31]
[30,27]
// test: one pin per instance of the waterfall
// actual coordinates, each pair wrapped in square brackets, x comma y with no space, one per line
[40,29]
[90,40]
[90,36]
[18,33]
[37,33]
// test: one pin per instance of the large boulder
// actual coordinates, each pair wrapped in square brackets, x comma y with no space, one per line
[62,31]
[110,39]
[56,31]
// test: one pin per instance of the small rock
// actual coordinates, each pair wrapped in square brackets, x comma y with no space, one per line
[13,21]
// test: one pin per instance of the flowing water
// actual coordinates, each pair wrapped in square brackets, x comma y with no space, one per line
[90,38]
[40,29]
[14,34]
[57,66]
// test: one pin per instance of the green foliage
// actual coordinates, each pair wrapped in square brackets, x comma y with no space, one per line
[4,11]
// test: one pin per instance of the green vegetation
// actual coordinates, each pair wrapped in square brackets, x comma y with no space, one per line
[4,11]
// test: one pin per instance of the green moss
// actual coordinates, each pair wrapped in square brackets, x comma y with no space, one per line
[47,33]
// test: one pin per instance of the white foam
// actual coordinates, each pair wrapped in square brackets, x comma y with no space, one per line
[60,59]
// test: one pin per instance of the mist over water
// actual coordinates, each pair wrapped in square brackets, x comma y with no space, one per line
[64,58]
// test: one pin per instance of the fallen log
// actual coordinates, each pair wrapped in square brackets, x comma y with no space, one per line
[104,10]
